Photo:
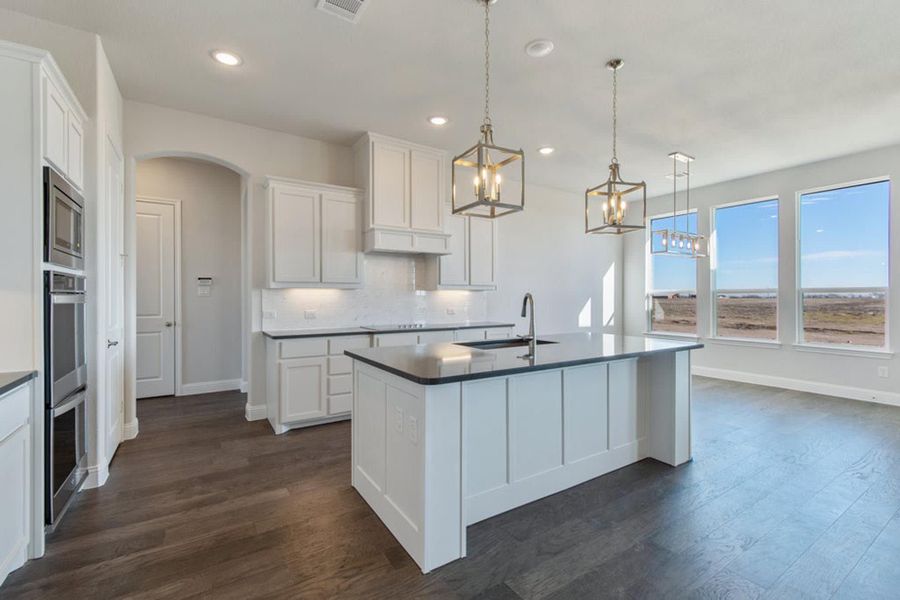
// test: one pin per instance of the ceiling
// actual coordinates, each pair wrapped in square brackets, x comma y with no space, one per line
[746,87]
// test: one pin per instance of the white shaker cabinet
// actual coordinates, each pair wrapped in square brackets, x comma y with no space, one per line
[472,262]
[63,131]
[15,487]
[404,194]
[309,380]
[313,235]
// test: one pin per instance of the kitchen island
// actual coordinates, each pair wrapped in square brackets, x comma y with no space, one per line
[446,435]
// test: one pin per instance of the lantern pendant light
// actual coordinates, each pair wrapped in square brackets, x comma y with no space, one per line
[480,187]
[679,241]
[611,194]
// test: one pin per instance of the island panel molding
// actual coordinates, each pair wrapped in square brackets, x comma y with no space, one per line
[431,459]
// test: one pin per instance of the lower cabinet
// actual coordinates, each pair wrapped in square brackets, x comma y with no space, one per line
[15,490]
[310,380]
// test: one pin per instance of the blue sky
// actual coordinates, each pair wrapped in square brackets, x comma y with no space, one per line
[843,243]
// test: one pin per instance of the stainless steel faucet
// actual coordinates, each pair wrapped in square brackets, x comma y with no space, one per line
[529,298]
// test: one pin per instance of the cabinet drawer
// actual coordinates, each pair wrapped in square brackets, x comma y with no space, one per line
[432,244]
[500,334]
[304,347]
[340,365]
[337,345]
[396,339]
[340,404]
[340,384]
[14,410]
[435,337]
[471,335]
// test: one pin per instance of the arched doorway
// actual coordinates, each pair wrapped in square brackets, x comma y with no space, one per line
[169,173]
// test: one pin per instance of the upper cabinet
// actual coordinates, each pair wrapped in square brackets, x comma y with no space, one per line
[472,262]
[404,195]
[313,235]
[63,129]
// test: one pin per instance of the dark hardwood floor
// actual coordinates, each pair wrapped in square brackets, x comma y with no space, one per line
[790,495]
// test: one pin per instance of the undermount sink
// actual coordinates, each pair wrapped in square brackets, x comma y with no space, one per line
[498,344]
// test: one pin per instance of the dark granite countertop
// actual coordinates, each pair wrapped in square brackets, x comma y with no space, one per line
[433,364]
[282,334]
[13,379]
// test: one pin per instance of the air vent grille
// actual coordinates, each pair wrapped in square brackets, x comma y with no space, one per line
[349,10]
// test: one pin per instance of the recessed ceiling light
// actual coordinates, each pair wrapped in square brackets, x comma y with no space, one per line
[228,59]
[546,150]
[539,48]
[438,121]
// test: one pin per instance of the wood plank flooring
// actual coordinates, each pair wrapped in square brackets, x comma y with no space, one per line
[790,495]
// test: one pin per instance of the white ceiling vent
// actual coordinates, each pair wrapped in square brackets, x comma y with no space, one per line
[349,10]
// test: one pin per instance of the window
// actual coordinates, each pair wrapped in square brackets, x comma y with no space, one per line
[843,239]
[672,283]
[744,265]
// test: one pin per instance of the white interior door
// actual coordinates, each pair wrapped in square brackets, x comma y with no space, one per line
[115,301]
[155,236]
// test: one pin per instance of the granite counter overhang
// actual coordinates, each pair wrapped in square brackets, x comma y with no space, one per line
[12,380]
[286,334]
[435,364]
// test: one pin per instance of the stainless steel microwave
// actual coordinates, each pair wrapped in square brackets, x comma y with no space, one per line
[63,222]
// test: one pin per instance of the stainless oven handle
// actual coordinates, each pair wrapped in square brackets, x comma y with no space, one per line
[62,409]
[67,298]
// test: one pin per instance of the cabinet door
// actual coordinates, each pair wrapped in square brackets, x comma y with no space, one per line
[295,225]
[470,335]
[390,186]
[341,239]
[426,190]
[302,394]
[436,337]
[75,144]
[55,112]
[454,267]
[15,499]
[499,334]
[482,252]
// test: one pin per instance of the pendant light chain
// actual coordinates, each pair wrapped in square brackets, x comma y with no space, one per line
[615,112]
[487,62]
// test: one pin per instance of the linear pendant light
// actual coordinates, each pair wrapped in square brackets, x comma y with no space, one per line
[610,194]
[486,164]
[675,241]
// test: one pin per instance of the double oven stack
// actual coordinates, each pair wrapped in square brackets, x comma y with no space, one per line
[65,367]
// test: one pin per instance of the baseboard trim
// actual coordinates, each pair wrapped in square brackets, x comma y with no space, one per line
[255,412]
[801,385]
[208,387]
[130,430]
[245,385]
[97,476]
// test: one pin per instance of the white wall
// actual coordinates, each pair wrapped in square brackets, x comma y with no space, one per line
[839,374]
[574,277]
[210,198]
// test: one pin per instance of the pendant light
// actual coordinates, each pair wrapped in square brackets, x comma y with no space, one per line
[679,240]
[610,195]
[478,174]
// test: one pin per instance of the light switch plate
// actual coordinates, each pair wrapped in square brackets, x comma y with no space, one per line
[309,314]
[883,372]
[413,428]
[398,419]
[270,314]
[203,290]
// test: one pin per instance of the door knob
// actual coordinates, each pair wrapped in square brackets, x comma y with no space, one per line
[111,343]
[169,323]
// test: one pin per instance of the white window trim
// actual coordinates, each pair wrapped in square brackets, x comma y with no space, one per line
[713,266]
[648,278]
[840,349]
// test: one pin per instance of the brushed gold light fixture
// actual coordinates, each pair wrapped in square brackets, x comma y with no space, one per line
[486,164]
[611,194]
[677,241]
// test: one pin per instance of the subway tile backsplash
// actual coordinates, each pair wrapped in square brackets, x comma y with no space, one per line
[389,296]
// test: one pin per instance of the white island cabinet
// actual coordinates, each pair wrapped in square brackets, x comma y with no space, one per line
[16,498]
[445,435]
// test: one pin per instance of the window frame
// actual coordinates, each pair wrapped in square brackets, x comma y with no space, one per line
[714,291]
[648,279]
[799,333]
